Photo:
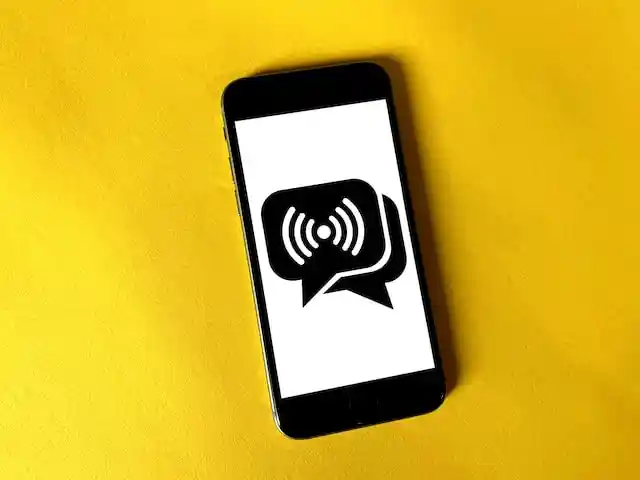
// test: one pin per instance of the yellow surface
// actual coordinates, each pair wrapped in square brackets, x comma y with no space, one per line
[128,341]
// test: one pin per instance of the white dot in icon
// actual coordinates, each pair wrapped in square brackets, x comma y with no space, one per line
[324,232]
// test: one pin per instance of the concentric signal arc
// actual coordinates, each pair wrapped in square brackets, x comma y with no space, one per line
[348,227]
[286,237]
[359,225]
[309,233]
[338,230]
[297,235]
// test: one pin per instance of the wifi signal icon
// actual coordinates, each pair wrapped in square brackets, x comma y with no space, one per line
[302,235]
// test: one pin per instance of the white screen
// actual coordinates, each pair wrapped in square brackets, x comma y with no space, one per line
[339,338]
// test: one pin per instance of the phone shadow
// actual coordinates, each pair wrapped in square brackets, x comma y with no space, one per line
[419,199]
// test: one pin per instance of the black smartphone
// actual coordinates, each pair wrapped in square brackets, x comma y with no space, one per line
[339,288]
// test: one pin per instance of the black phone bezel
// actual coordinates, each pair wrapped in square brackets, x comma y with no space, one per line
[351,406]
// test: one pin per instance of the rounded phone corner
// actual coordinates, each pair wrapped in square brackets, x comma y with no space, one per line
[442,395]
[289,431]
[437,398]
[375,69]
[231,94]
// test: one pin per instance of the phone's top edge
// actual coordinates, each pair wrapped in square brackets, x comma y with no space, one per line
[325,66]
[305,69]
[229,94]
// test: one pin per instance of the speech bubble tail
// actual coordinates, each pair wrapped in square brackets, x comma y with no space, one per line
[311,286]
[372,290]
[380,296]
[306,297]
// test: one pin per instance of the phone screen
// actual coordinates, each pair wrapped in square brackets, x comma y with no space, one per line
[335,254]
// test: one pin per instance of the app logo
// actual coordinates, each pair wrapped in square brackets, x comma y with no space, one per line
[318,232]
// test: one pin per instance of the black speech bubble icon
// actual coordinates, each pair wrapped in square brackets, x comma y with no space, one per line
[313,233]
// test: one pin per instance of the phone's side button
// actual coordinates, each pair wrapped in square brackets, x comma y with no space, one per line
[233,173]
[235,195]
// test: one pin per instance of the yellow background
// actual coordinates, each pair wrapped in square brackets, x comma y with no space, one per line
[128,342]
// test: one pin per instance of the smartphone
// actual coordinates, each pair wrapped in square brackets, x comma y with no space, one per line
[340,293]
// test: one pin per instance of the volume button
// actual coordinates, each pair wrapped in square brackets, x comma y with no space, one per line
[235,195]
[233,172]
